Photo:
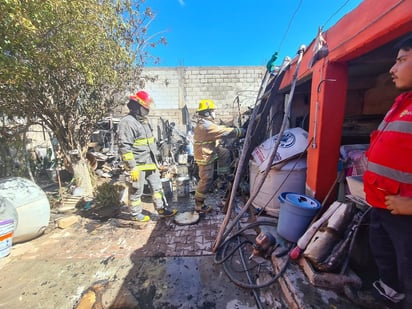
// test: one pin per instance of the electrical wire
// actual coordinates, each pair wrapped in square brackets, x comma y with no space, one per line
[289,24]
[250,280]
[222,248]
[253,123]
[222,233]
[336,12]
[222,256]
[284,180]
[371,23]
[352,243]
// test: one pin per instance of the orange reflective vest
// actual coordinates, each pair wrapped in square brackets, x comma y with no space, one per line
[389,168]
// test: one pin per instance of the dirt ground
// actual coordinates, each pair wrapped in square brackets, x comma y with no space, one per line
[101,259]
[118,263]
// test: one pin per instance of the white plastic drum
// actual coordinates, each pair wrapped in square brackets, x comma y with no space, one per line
[291,177]
[31,204]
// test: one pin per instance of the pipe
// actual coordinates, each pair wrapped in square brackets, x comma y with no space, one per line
[222,233]
[315,129]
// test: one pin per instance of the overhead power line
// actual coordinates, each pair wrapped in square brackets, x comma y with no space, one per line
[289,24]
[336,12]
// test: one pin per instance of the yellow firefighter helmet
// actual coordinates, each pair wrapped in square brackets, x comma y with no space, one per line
[205,105]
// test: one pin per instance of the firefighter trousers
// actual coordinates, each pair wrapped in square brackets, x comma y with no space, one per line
[136,188]
[206,173]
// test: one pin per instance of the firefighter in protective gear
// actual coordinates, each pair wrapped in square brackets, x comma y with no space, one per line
[138,150]
[207,150]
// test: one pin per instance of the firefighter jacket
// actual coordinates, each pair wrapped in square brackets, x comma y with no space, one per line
[389,168]
[137,145]
[206,136]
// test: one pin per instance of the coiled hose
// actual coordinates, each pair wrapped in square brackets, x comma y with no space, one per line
[223,254]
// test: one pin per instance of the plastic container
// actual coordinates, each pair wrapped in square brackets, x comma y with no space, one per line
[8,223]
[296,213]
[182,158]
[355,184]
[183,186]
[7,210]
[278,180]
[189,149]
[31,204]
[167,187]
[293,142]
[6,236]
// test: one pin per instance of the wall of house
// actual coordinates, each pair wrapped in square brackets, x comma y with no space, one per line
[173,88]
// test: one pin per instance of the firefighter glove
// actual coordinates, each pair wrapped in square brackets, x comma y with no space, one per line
[134,174]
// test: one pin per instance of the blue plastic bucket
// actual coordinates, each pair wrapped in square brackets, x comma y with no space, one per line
[295,214]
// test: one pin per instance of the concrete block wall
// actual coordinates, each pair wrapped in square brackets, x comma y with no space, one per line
[173,88]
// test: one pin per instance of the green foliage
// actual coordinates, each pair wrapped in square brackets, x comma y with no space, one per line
[108,195]
[64,62]
[12,155]
[68,63]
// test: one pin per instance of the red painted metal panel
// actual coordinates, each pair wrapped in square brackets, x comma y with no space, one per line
[370,25]
[328,95]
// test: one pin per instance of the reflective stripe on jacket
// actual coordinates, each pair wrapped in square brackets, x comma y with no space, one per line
[143,141]
[137,144]
[206,134]
[389,168]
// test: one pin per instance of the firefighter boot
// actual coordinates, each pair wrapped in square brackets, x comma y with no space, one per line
[201,207]
[164,213]
[140,218]
[136,212]
[160,204]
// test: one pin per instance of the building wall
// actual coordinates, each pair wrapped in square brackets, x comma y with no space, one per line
[176,87]
[173,88]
